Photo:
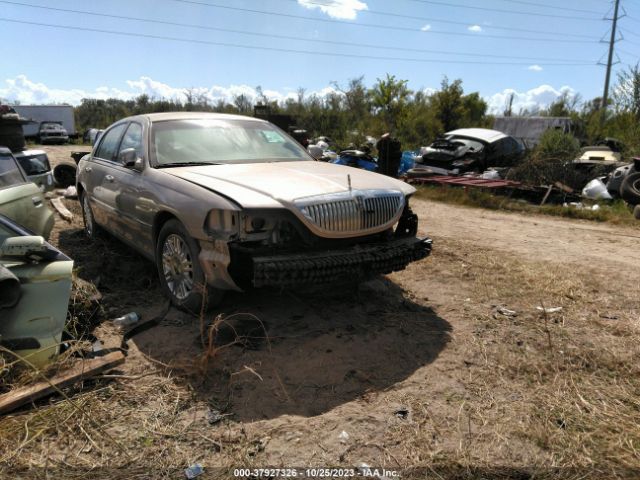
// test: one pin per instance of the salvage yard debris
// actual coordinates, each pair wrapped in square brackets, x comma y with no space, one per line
[61,209]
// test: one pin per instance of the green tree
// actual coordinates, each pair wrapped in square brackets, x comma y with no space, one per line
[389,98]
[626,94]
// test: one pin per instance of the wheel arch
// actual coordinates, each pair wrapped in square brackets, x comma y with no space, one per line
[160,219]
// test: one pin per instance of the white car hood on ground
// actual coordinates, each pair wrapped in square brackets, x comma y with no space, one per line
[257,185]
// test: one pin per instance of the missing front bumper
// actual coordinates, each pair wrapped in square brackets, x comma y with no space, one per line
[356,263]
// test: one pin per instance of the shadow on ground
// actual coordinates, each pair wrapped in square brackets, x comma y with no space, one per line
[323,349]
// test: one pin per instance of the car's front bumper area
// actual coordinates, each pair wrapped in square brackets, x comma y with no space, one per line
[354,263]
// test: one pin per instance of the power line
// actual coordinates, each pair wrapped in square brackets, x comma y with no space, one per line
[629,32]
[283,37]
[635,55]
[387,27]
[452,22]
[555,7]
[275,49]
[499,10]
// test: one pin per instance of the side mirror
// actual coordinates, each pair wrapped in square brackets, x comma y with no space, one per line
[128,157]
[29,247]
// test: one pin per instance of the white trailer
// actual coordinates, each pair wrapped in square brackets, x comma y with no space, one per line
[46,113]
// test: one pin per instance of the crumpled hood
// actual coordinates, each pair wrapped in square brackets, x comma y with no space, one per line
[258,185]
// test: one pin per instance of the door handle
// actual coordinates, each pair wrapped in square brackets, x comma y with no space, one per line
[88,169]
[37,201]
[109,178]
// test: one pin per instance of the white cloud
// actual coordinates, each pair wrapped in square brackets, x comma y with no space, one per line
[344,9]
[25,91]
[475,28]
[532,100]
[535,68]
[426,28]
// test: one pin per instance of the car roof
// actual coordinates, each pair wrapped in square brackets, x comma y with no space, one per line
[160,117]
[484,134]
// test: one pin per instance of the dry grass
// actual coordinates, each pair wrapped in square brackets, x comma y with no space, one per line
[558,392]
[530,396]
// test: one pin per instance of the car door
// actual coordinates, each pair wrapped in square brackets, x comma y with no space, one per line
[128,182]
[100,180]
[33,326]
[21,200]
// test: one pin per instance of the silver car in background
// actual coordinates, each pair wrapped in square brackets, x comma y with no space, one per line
[222,202]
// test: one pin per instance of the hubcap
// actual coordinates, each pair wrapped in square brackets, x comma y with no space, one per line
[177,266]
[88,219]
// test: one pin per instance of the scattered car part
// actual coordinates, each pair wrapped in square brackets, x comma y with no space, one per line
[61,209]
[65,174]
[230,202]
[630,188]
[35,164]
[33,327]
[22,200]
[616,178]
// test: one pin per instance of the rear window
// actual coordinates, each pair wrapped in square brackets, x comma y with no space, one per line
[34,164]
[10,173]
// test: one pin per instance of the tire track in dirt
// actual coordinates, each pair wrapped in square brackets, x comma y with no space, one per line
[610,249]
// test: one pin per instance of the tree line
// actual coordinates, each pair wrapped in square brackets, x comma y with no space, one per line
[416,118]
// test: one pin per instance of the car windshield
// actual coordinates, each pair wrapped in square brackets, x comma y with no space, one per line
[51,126]
[34,164]
[213,141]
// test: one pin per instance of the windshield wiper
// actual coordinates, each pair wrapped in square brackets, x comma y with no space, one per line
[185,164]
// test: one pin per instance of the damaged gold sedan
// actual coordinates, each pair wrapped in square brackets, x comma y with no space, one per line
[231,202]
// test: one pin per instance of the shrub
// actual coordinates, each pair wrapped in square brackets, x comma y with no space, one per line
[551,161]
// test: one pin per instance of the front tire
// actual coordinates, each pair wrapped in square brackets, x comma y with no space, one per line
[181,276]
[91,228]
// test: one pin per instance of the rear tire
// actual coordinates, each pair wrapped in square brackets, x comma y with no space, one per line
[630,188]
[91,228]
[181,276]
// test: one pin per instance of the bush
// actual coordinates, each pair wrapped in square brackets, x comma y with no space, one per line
[551,161]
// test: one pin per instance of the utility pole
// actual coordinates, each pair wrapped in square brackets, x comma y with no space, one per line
[612,42]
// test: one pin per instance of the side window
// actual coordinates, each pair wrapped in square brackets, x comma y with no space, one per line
[10,173]
[109,143]
[133,138]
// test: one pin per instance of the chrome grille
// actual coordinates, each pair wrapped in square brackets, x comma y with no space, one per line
[353,212]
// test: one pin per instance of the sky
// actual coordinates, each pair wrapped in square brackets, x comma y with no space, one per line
[536,49]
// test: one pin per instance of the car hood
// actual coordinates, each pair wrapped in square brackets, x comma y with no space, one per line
[260,184]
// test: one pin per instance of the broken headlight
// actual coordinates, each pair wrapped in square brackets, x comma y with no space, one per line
[224,223]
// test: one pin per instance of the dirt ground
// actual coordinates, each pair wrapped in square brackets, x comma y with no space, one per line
[448,369]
